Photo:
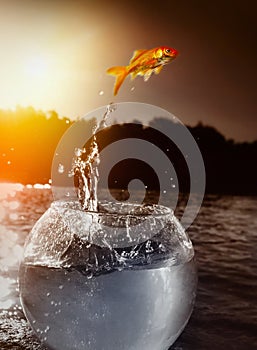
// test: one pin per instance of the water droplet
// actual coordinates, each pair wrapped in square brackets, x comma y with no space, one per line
[78,152]
[101,92]
[173,186]
[9,162]
[47,294]
[164,191]
[61,286]
[70,173]
[60,168]
[90,275]
[132,89]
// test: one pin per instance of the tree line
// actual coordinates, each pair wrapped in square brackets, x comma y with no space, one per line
[28,139]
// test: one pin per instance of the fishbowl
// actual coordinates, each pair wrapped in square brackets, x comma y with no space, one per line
[83,285]
[109,266]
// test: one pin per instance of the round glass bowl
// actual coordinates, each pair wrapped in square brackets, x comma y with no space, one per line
[118,279]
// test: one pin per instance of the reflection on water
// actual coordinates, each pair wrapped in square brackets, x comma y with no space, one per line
[5,298]
[8,190]
[13,229]
[11,250]
[225,240]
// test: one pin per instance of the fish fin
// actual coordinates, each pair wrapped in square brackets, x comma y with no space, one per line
[136,54]
[148,74]
[120,72]
[158,69]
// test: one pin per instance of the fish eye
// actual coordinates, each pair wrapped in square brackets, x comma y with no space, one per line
[167,50]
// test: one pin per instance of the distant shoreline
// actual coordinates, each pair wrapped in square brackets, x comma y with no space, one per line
[29,139]
[47,186]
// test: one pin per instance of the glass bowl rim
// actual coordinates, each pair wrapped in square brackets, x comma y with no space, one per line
[74,205]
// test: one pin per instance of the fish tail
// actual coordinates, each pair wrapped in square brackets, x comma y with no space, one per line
[120,73]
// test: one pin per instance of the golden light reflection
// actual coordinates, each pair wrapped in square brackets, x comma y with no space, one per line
[13,216]
[11,205]
[10,250]
[9,189]
[39,186]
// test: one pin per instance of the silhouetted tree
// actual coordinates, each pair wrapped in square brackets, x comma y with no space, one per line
[28,139]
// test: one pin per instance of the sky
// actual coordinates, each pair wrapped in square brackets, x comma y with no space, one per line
[54,56]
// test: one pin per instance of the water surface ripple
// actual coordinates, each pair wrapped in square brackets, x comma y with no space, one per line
[225,239]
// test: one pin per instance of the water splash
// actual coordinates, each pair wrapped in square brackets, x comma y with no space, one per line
[85,167]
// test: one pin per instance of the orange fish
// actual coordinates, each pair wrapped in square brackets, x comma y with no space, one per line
[144,63]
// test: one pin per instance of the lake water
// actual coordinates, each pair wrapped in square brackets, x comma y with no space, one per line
[225,240]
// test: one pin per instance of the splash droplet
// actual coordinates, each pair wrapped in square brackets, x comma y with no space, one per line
[60,168]
[78,152]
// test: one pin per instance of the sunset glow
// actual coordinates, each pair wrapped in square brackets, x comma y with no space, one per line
[54,56]
[45,60]
[37,68]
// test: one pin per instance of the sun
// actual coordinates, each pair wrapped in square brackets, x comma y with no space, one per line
[36,67]
[32,80]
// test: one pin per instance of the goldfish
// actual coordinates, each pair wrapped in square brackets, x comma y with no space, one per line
[143,63]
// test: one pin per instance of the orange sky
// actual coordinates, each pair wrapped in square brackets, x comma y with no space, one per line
[54,55]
